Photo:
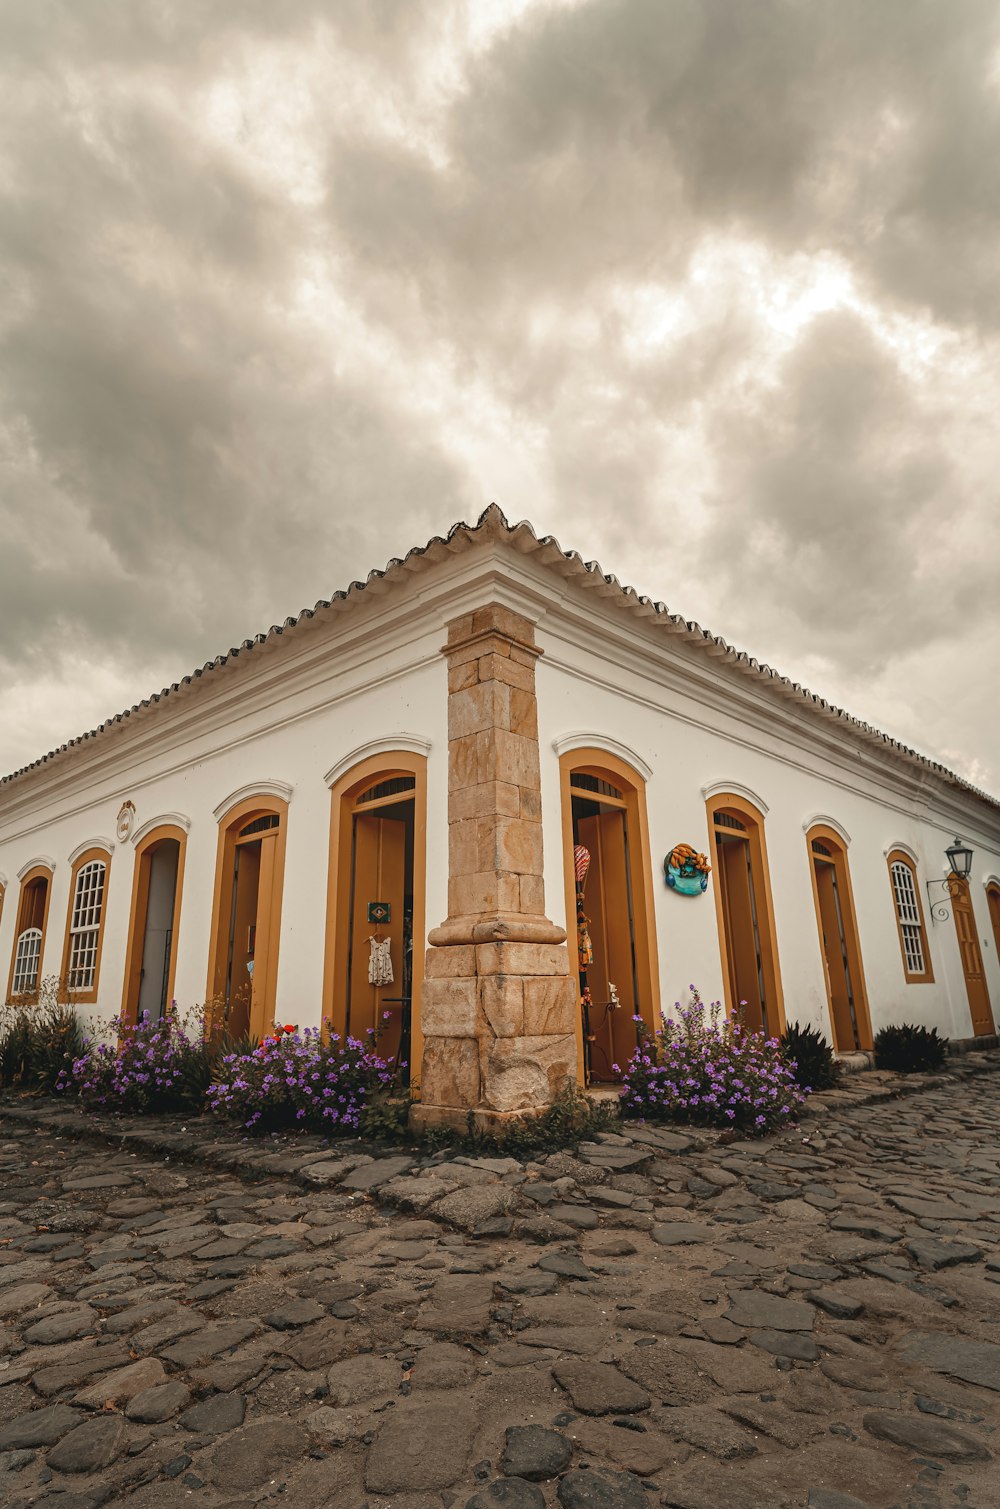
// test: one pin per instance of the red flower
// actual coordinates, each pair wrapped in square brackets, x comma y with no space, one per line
[288,1028]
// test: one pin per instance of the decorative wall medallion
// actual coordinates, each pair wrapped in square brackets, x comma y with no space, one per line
[125,821]
[380,912]
[686,871]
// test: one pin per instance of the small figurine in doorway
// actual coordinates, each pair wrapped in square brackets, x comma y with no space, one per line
[380,962]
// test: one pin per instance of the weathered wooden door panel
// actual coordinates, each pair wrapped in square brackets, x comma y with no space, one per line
[379,875]
[741,933]
[607,904]
[972,958]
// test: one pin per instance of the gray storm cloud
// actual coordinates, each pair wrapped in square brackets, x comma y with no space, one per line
[710,290]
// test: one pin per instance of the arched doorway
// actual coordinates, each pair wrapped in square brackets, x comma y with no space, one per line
[971,955]
[609,907]
[376,932]
[993,902]
[246,917]
[151,957]
[745,913]
[838,940]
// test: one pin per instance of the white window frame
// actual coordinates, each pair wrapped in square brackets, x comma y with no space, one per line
[28,954]
[909,917]
[85,925]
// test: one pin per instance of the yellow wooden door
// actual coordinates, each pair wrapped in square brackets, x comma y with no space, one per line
[242,940]
[607,904]
[379,875]
[742,940]
[261,1022]
[972,958]
[832,921]
[993,902]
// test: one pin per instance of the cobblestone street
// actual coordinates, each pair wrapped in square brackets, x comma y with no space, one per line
[656,1319]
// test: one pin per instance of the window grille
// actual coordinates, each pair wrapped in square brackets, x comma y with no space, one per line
[594,784]
[908,912]
[27,961]
[727,820]
[85,928]
[395,787]
[260,825]
[818,847]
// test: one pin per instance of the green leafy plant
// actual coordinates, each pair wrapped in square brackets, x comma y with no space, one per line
[810,1058]
[39,1038]
[909,1049]
[571,1118]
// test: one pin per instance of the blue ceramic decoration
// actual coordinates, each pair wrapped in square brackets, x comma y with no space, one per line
[686,871]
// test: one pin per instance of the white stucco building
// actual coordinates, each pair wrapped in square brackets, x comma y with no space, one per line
[441,739]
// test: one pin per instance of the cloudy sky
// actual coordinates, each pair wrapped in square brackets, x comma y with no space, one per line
[710,289]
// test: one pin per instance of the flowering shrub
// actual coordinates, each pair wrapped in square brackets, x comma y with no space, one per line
[706,1070]
[295,1078]
[148,1065]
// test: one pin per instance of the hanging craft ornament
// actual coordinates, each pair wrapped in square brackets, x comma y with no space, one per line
[584,945]
[686,871]
[380,962]
[585,949]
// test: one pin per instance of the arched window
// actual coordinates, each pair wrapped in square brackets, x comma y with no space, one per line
[29,932]
[151,957]
[838,938]
[376,907]
[909,908]
[745,912]
[246,916]
[609,907]
[85,924]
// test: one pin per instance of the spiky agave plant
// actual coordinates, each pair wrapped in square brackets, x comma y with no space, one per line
[810,1057]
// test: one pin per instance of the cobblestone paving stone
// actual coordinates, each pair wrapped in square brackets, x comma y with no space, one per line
[650,1319]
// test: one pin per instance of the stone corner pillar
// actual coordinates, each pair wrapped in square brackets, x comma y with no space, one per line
[499,1002]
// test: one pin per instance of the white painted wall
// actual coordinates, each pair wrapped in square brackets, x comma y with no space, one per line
[293,709]
[293,731]
[584,688]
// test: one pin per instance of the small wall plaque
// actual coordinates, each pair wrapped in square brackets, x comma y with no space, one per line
[379,912]
[125,820]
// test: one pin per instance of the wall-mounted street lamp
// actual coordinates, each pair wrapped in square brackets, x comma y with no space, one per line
[959,857]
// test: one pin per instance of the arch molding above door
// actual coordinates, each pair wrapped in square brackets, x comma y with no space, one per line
[718,788]
[411,743]
[567,743]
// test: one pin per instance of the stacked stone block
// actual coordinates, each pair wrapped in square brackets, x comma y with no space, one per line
[499,1003]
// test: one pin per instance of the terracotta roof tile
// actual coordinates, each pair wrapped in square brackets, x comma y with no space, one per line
[570,564]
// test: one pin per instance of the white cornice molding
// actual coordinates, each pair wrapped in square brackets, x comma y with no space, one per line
[566,743]
[91,843]
[717,788]
[901,848]
[165,820]
[280,789]
[40,861]
[119,764]
[825,820]
[411,743]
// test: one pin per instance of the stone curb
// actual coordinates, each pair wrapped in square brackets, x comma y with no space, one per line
[254,1160]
